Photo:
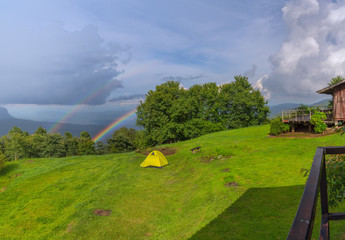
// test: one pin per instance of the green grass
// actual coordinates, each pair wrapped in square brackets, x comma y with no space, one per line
[188,199]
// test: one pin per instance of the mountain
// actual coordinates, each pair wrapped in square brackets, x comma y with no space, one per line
[4,114]
[7,122]
[276,110]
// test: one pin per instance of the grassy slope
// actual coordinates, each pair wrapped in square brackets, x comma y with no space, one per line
[55,198]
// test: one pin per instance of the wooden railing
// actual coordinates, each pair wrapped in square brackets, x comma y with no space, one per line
[302,226]
[304,115]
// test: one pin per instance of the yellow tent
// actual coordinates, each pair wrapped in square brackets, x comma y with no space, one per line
[154,159]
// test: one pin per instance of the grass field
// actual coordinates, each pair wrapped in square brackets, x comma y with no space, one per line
[241,185]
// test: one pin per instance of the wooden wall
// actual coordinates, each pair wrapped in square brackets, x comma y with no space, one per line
[339,102]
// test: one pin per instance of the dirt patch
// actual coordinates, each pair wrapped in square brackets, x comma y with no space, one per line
[226,170]
[165,150]
[210,158]
[70,226]
[102,212]
[304,134]
[3,189]
[231,184]
[207,159]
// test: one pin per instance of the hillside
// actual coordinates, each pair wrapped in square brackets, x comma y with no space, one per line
[241,185]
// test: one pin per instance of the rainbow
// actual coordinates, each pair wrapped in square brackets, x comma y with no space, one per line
[82,102]
[113,124]
[77,106]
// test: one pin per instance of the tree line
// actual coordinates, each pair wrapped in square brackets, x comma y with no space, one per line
[19,144]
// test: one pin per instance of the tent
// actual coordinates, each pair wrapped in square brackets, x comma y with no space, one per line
[154,159]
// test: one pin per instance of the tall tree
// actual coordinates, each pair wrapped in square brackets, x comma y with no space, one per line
[39,143]
[71,144]
[157,114]
[241,104]
[16,144]
[85,145]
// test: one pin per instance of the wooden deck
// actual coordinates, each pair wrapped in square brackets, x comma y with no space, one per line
[297,115]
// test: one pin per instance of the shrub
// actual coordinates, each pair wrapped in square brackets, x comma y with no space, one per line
[317,120]
[336,179]
[2,160]
[277,126]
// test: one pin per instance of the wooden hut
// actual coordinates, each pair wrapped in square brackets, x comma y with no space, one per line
[338,92]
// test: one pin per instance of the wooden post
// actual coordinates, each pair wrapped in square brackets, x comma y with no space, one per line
[292,127]
[283,115]
[309,127]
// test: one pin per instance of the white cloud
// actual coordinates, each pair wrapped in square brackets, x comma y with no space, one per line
[258,85]
[313,52]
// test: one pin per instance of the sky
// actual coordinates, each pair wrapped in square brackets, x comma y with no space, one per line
[105,55]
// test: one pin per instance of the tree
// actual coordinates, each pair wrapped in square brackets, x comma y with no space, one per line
[39,142]
[119,144]
[241,104]
[101,148]
[333,81]
[71,144]
[16,145]
[85,145]
[40,131]
[157,114]
[55,146]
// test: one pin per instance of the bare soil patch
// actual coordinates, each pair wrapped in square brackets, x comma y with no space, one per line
[231,184]
[226,170]
[305,134]
[165,150]
[102,212]
[3,189]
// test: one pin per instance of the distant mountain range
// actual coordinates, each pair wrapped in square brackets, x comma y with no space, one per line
[276,110]
[7,122]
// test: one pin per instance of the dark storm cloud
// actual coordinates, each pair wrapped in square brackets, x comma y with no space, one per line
[56,66]
[181,79]
[134,97]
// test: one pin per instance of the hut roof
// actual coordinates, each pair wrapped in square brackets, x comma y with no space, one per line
[329,89]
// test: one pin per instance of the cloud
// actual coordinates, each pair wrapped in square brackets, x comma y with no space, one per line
[130,98]
[251,72]
[313,52]
[258,85]
[181,78]
[55,66]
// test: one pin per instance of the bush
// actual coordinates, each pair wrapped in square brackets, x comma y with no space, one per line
[277,126]
[336,179]
[3,160]
[317,120]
